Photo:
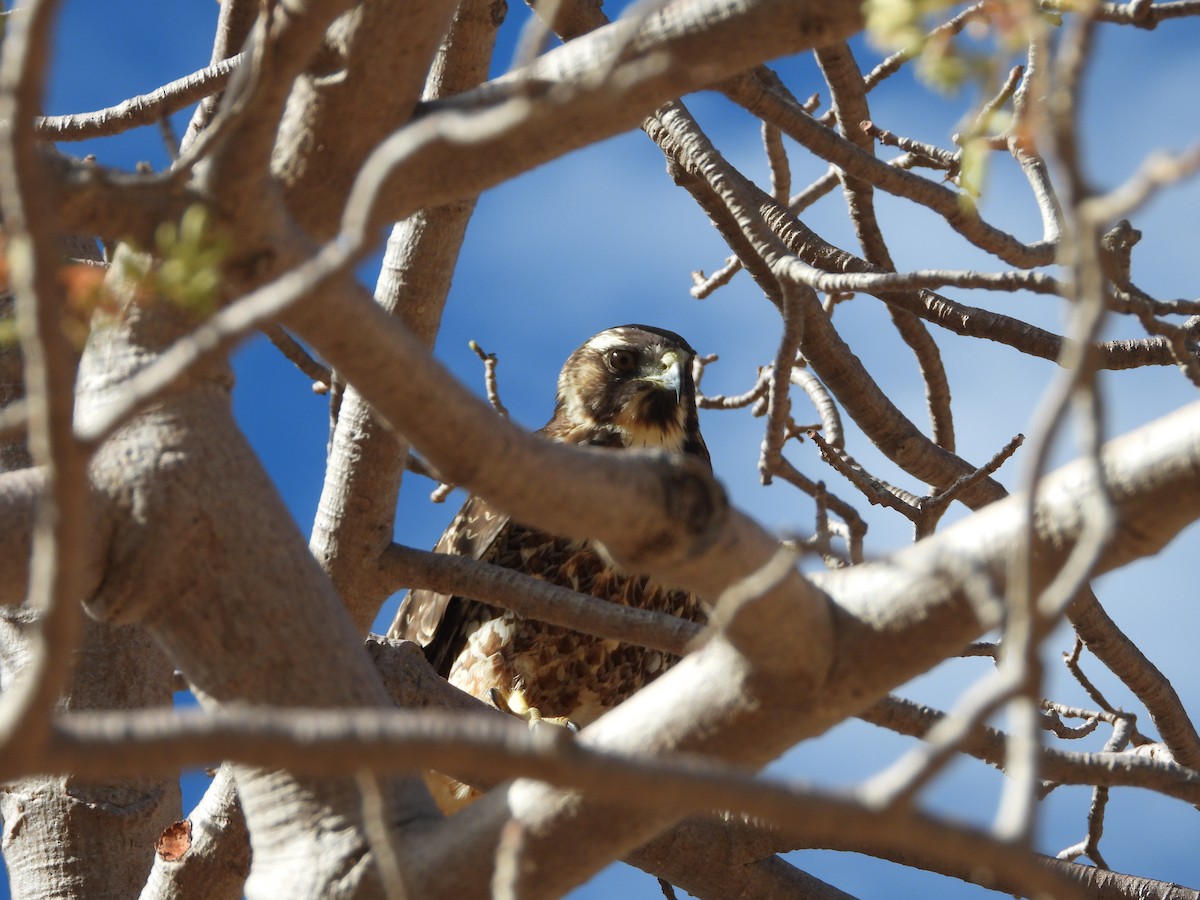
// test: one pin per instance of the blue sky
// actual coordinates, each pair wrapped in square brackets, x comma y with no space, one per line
[603,237]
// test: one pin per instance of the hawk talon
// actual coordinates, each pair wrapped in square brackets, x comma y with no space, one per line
[515,704]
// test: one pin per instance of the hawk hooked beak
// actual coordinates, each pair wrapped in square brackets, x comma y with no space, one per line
[669,376]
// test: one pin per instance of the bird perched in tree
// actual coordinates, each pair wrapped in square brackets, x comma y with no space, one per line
[629,386]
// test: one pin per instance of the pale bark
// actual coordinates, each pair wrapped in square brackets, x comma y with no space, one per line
[216,857]
[354,522]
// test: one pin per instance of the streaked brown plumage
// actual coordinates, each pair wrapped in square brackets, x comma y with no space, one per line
[629,386]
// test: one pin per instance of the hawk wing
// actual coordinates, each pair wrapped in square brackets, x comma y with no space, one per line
[441,623]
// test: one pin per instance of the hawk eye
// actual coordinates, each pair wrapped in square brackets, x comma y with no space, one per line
[622,361]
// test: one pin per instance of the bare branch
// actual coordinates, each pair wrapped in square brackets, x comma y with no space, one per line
[762,101]
[779,380]
[1108,768]
[536,599]
[927,153]
[489,378]
[144,109]
[1157,171]
[1122,656]
[298,356]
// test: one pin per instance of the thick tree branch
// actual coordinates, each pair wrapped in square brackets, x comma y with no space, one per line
[20,493]
[382,53]
[558,104]
[216,856]
[354,521]
[403,740]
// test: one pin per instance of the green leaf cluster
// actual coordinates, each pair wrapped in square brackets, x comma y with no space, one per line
[189,258]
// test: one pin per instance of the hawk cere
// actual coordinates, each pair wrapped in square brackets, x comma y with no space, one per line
[629,386]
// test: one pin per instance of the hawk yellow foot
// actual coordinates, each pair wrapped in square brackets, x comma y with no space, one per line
[515,703]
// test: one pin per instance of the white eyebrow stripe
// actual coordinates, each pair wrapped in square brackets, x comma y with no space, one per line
[609,340]
[633,338]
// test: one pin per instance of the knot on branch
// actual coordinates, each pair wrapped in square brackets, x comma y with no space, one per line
[1118,244]
[694,510]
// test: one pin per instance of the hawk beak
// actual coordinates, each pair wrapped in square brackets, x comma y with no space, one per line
[670,374]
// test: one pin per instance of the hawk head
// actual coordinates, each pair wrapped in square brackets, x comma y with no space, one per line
[630,386]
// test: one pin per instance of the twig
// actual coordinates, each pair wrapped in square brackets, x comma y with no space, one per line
[170,139]
[982,648]
[814,192]
[932,508]
[1158,170]
[1060,729]
[779,380]
[923,511]
[1180,340]
[739,401]
[823,402]
[1095,817]
[1031,608]
[892,64]
[703,286]
[489,378]
[898,785]
[761,101]
[1125,660]
[441,492]
[1071,660]
[1108,768]
[849,102]
[1137,12]
[856,528]
[1090,845]
[983,119]
[826,529]
[933,156]
[700,365]
[885,282]
[1028,120]
[781,172]
[877,491]
[321,375]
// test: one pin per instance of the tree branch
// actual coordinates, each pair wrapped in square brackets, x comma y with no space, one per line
[144,109]
[536,599]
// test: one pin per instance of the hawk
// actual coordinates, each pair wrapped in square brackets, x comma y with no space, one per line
[629,386]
